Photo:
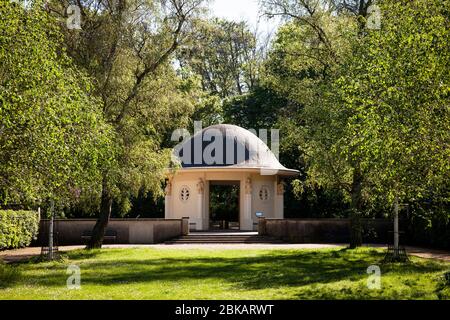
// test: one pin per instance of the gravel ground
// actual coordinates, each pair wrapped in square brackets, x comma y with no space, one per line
[25,253]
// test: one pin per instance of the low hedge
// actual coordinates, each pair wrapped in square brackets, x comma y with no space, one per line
[17,228]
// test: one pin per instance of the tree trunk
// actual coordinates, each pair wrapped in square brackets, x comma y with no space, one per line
[98,232]
[396,234]
[355,230]
[362,15]
[355,216]
[238,85]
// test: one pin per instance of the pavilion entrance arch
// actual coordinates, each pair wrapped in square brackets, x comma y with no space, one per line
[237,178]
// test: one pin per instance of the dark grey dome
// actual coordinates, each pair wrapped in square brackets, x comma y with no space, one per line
[224,146]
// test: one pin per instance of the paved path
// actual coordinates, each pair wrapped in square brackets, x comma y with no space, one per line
[26,253]
[429,253]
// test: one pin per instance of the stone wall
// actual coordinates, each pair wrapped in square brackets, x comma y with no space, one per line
[324,230]
[129,231]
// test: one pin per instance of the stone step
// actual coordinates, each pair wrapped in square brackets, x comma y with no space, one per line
[234,240]
[221,237]
[223,242]
[200,239]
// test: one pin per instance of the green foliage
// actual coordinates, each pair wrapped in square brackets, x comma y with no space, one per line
[127,50]
[428,224]
[301,67]
[224,203]
[257,109]
[224,54]
[395,93]
[374,116]
[447,278]
[53,138]
[201,105]
[17,228]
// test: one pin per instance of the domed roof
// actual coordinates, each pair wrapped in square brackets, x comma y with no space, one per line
[228,146]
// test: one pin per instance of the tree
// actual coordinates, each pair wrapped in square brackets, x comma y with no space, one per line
[305,59]
[395,93]
[127,46]
[257,109]
[225,54]
[53,137]
[372,121]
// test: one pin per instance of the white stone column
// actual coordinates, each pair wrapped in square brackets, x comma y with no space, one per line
[246,222]
[206,205]
[278,206]
[168,201]
[200,205]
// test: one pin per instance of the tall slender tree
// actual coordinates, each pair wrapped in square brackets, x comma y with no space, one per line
[305,60]
[127,47]
[395,91]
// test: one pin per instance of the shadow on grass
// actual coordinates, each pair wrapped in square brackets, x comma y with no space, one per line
[9,275]
[263,271]
[85,254]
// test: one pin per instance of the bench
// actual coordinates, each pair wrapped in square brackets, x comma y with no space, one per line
[224,225]
[192,226]
[110,235]
[234,225]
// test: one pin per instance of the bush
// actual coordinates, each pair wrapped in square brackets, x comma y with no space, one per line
[429,227]
[17,228]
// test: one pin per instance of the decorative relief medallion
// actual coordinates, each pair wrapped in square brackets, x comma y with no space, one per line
[168,189]
[280,188]
[248,186]
[200,186]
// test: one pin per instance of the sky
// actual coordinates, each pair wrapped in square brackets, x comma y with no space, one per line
[248,10]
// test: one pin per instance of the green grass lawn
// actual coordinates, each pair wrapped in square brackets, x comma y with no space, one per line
[225,274]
